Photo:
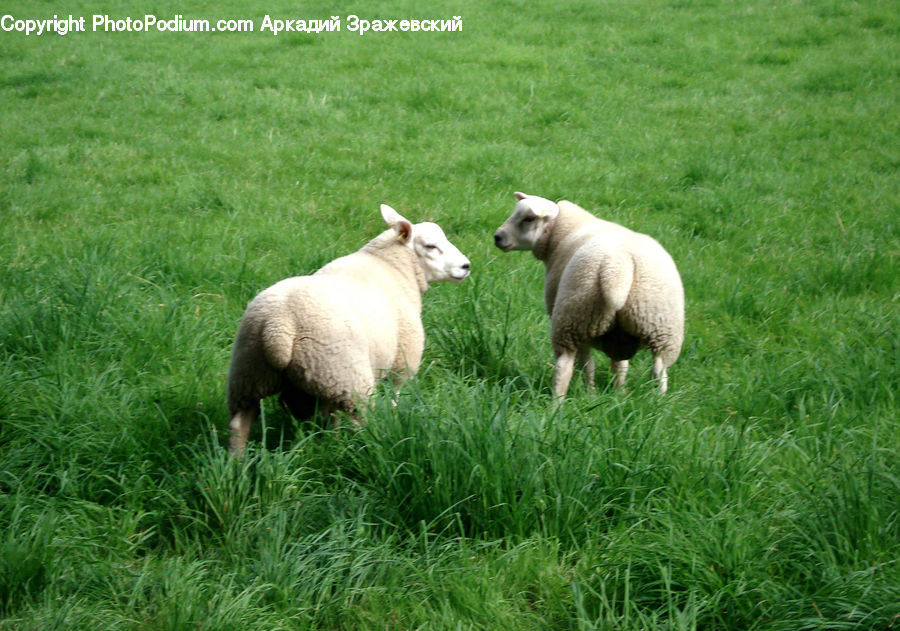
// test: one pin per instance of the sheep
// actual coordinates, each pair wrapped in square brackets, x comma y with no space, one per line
[324,341]
[605,287]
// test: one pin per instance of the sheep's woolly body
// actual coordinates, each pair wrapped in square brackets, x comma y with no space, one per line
[323,341]
[607,283]
[333,334]
[608,287]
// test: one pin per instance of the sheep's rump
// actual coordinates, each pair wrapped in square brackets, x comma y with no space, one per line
[622,292]
[311,339]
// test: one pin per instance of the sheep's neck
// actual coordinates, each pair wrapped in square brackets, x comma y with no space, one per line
[569,219]
[401,258]
[407,265]
[549,247]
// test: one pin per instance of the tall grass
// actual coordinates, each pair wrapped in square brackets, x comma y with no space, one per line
[151,184]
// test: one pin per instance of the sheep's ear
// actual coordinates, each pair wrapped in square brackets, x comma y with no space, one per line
[543,207]
[404,231]
[390,215]
[403,227]
[520,196]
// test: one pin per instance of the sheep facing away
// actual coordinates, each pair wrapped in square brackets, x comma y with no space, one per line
[323,341]
[606,287]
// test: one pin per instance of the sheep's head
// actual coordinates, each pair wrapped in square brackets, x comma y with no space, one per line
[440,259]
[529,220]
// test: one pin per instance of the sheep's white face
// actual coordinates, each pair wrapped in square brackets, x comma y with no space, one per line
[440,259]
[529,220]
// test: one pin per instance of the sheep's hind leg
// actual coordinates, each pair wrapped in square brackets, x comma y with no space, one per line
[659,372]
[344,413]
[562,372]
[585,360]
[620,370]
[351,395]
[241,422]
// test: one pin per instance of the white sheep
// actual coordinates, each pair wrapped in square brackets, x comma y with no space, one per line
[605,287]
[323,341]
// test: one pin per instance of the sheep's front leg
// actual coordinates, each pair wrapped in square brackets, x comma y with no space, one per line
[241,422]
[620,370]
[585,359]
[659,372]
[562,372]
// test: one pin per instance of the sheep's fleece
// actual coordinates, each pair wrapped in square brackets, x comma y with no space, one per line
[606,287]
[323,341]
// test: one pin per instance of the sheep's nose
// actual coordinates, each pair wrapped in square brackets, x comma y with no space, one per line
[498,237]
[465,266]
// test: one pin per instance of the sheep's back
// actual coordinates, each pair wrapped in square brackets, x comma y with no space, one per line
[337,318]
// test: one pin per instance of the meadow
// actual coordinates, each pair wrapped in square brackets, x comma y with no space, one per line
[152,183]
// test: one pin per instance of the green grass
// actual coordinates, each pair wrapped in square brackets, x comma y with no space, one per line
[151,184]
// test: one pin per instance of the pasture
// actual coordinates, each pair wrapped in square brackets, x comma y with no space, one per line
[151,183]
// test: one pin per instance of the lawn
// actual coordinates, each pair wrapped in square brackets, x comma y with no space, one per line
[151,183]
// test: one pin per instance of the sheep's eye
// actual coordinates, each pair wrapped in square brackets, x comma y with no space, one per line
[528,219]
[430,246]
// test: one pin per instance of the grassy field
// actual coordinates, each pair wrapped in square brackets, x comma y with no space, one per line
[151,183]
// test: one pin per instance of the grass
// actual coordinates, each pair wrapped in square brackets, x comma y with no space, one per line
[151,184]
